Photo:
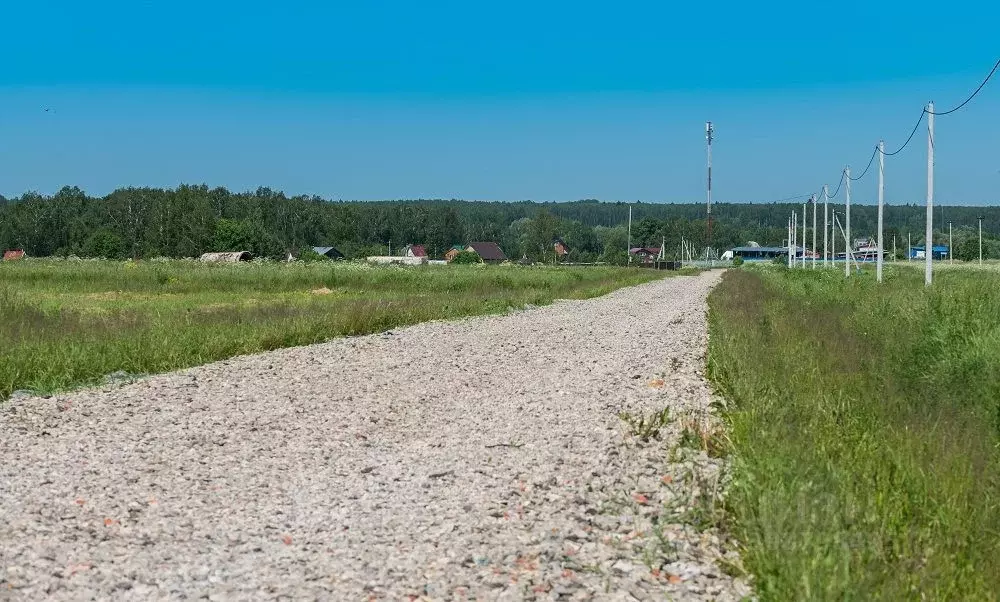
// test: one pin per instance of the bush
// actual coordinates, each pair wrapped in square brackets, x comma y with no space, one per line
[466,257]
[308,254]
[737,261]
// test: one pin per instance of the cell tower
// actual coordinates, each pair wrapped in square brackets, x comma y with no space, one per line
[709,131]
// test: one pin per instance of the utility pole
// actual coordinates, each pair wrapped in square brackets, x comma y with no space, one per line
[928,242]
[709,131]
[789,232]
[881,195]
[894,248]
[833,238]
[795,238]
[951,247]
[847,223]
[804,239]
[628,251]
[826,199]
[909,247]
[812,200]
[980,218]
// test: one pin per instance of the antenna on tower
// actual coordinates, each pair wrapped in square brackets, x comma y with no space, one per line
[709,132]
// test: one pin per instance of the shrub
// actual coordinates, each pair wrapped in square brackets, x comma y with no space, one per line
[466,257]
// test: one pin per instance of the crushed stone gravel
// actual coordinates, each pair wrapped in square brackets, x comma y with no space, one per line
[475,459]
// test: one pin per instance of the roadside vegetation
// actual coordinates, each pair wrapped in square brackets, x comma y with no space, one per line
[865,431]
[68,323]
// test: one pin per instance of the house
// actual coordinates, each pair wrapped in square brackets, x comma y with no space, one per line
[937,252]
[329,252]
[227,257]
[560,247]
[414,251]
[489,252]
[453,251]
[758,253]
[13,255]
[644,254]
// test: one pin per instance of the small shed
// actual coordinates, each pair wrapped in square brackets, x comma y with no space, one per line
[227,257]
[414,251]
[489,252]
[329,252]
[561,248]
[13,255]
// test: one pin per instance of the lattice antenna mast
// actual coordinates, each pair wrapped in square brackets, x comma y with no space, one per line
[709,133]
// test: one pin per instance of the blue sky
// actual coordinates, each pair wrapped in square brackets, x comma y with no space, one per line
[495,100]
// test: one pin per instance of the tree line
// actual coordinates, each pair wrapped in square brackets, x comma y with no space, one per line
[190,220]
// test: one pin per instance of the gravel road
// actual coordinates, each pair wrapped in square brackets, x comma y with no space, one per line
[476,459]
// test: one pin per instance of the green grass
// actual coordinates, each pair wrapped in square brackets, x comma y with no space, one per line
[68,323]
[865,425]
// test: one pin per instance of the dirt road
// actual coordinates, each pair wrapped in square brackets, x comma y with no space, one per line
[476,459]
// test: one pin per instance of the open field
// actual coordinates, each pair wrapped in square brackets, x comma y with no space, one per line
[865,423]
[67,323]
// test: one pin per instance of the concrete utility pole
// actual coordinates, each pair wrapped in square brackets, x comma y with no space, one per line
[826,199]
[804,239]
[928,238]
[980,218]
[812,200]
[628,251]
[894,248]
[951,247]
[909,247]
[789,240]
[847,224]
[881,194]
[833,238]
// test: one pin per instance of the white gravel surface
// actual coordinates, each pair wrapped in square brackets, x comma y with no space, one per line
[476,459]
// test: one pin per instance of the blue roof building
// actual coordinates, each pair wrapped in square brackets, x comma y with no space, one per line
[937,252]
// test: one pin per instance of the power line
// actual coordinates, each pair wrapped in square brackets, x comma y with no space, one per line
[870,160]
[973,95]
[910,137]
[839,184]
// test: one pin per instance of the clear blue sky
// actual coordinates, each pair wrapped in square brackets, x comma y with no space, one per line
[495,100]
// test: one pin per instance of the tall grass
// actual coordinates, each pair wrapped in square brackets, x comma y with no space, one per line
[865,427]
[66,323]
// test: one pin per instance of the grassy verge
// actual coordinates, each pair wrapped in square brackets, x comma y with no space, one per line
[66,323]
[865,424]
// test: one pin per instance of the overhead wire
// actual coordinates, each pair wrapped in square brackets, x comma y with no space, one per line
[916,126]
[909,138]
[971,96]
[870,161]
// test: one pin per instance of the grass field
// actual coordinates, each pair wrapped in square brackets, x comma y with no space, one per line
[68,323]
[865,431]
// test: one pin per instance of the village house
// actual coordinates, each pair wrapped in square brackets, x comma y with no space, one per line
[560,247]
[644,254]
[453,251]
[328,252]
[414,251]
[489,252]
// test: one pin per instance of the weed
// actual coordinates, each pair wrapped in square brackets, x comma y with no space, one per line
[646,426]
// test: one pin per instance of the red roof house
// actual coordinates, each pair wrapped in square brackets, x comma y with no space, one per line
[13,255]
[415,251]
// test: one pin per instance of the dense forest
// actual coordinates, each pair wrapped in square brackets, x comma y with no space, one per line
[190,220]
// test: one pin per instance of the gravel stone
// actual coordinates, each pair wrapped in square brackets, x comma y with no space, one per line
[475,459]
